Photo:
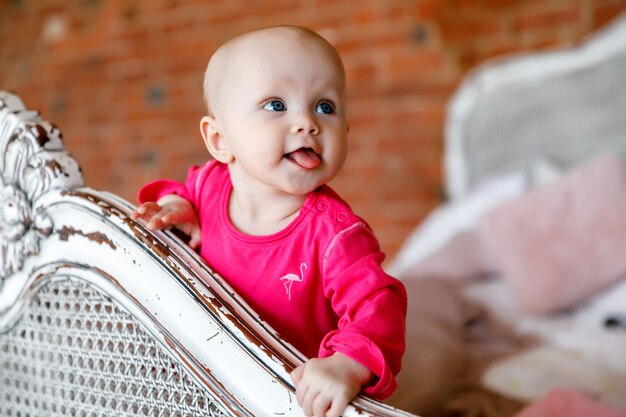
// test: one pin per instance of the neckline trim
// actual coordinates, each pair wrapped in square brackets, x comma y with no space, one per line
[227,190]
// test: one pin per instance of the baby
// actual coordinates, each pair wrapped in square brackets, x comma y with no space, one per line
[269,224]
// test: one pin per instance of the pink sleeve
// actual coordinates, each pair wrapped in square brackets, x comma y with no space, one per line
[371,306]
[154,190]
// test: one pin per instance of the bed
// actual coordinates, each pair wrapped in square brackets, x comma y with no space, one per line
[530,241]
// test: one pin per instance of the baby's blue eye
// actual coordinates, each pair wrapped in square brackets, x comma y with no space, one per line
[275,105]
[325,108]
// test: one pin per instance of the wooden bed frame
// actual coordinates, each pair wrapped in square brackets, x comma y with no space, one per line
[100,316]
[560,104]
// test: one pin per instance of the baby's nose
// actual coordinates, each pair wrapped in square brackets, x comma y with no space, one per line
[305,124]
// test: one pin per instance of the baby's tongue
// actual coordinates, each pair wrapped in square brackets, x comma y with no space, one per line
[306,158]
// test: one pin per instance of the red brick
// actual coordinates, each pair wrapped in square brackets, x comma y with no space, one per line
[415,61]
[604,13]
[428,9]
[548,18]
[501,4]
[455,29]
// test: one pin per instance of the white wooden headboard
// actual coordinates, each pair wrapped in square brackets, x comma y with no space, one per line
[100,317]
[561,104]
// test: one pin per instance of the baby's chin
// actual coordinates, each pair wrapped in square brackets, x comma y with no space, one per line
[304,188]
[301,191]
[305,181]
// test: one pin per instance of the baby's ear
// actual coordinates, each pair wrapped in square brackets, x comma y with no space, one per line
[214,139]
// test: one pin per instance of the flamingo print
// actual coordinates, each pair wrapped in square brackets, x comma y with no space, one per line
[291,278]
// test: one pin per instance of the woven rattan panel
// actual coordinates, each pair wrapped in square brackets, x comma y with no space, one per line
[75,352]
[563,120]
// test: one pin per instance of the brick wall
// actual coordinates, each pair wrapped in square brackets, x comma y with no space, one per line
[123,80]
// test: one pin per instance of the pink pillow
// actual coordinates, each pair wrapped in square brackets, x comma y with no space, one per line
[562,242]
[569,403]
[462,259]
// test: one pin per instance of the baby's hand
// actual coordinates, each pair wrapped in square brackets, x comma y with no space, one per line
[170,210]
[325,386]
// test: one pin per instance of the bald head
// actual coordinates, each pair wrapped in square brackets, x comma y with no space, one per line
[240,53]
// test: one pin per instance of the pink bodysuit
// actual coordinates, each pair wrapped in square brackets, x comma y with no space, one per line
[318,282]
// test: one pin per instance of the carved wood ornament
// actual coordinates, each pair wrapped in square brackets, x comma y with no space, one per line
[33,162]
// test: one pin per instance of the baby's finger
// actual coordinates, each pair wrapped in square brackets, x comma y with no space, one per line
[149,206]
[307,409]
[296,375]
[338,406]
[145,210]
[168,218]
[196,238]
[301,393]
[171,216]
[155,223]
[308,401]
[321,405]
[137,213]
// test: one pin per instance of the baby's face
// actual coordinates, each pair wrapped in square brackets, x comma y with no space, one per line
[283,114]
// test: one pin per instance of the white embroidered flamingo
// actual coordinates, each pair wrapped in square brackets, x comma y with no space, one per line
[291,278]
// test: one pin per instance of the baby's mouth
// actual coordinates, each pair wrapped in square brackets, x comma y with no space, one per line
[306,158]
